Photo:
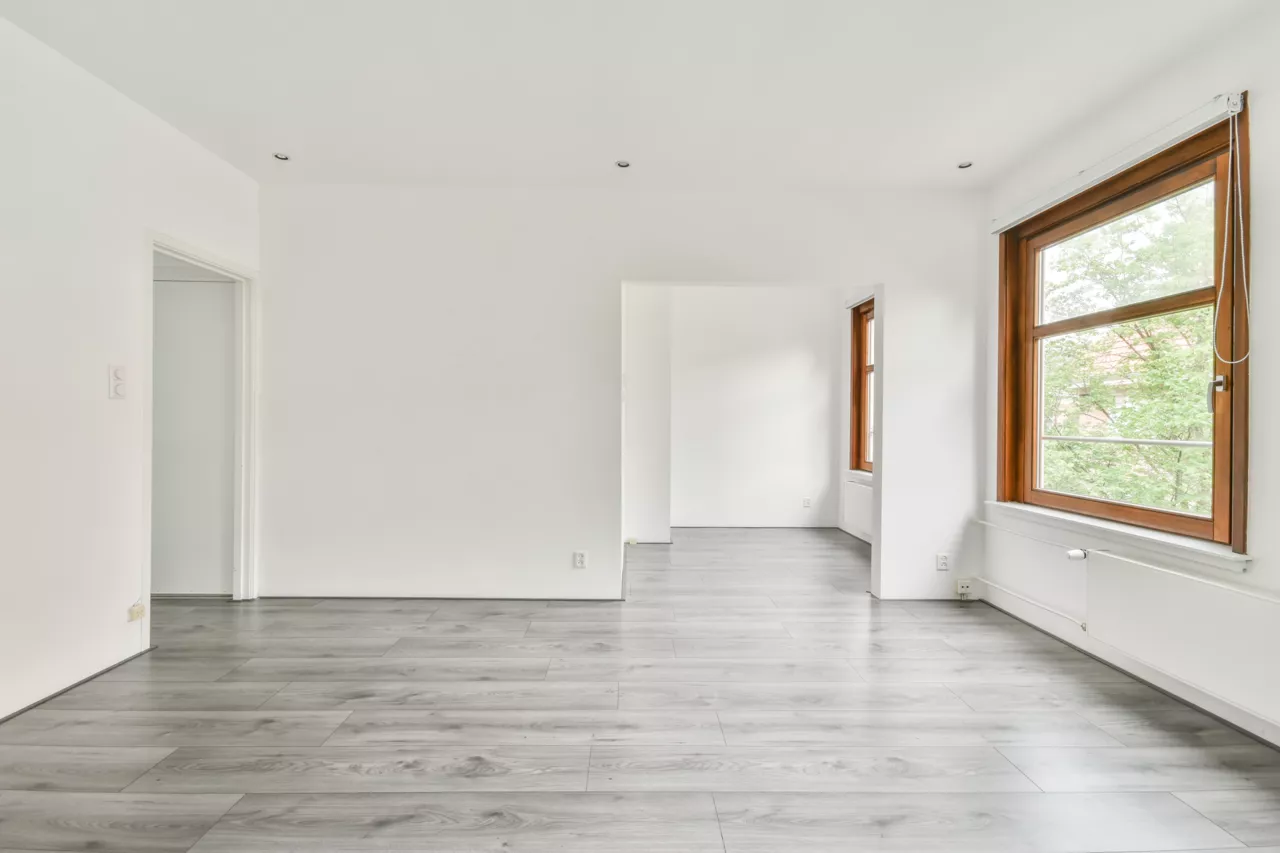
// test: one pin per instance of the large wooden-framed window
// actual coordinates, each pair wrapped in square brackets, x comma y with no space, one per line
[862,435]
[1118,398]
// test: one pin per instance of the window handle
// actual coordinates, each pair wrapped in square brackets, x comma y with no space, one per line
[1217,383]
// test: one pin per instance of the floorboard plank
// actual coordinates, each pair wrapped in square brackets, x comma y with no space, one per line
[1157,768]
[79,768]
[391,669]
[662,630]
[1251,816]
[165,696]
[987,671]
[863,648]
[371,769]
[962,823]
[532,647]
[381,625]
[866,769]
[452,823]
[787,696]
[528,727]
[172,728]
[698,669]
[910,728]
[478,695]
[158,667]
[246,645]
[1163,727]
[108,823]
[1062,697]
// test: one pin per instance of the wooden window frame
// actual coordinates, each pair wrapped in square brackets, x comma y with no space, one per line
[861,369]
[1197,160]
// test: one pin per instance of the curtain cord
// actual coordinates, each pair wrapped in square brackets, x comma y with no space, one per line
[1233,176]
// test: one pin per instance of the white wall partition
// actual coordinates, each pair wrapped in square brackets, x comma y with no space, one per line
[646,367]
[755,405]
[927,459]
[442,371]
[1201,641]
[89,178]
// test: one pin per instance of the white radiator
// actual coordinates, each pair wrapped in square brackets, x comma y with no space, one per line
[855,509]
[1221,639]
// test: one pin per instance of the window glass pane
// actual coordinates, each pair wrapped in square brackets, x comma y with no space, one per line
[871,416]
[1112,391]
[1164,248]
[871,340]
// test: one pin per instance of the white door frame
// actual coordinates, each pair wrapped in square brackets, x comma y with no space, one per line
[244,568]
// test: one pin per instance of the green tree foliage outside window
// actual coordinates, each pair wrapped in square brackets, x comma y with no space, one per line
[1142,379]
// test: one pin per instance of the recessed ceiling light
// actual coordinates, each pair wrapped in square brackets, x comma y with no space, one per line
[623,164]
[280,156]
[966,164]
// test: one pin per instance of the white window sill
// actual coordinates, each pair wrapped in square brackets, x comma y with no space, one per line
[1081,531]
[862,477]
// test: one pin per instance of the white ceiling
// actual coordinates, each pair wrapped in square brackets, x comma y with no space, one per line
[695,93]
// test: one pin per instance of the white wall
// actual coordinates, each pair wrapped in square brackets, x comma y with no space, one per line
[193,437]
[442,370]
[754,406]
[1231,686]
[646,367]
[927,438]
[87,176]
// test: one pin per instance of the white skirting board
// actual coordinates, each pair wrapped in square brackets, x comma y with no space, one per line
[1213,644]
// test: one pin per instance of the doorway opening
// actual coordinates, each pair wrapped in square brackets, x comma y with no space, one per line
[201,429]
[733,400]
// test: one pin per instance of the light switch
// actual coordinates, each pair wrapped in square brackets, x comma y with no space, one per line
[115,382]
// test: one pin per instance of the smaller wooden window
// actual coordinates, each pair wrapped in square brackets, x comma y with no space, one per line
[862,435]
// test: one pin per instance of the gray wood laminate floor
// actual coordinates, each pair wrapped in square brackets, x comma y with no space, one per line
[748,697]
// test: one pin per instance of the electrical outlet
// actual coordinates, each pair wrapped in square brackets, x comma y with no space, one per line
[579,559]
[115,382]
[943,563]
[964,588]
[806,502]
[137,611]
